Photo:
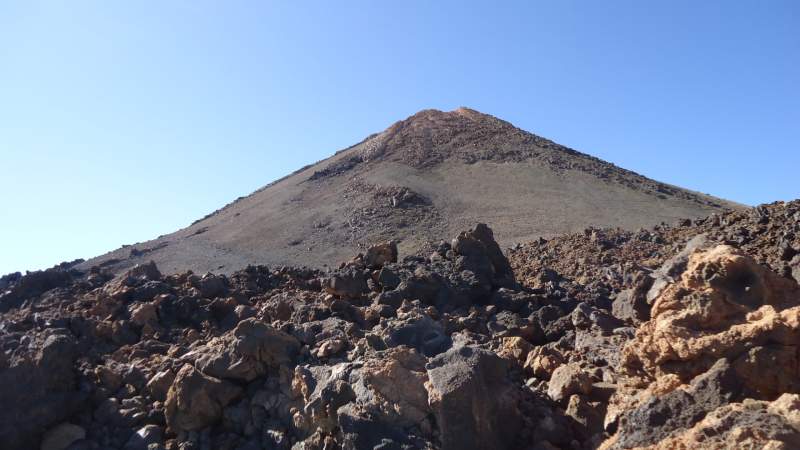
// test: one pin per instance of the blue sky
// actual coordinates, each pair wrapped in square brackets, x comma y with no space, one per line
[121,121]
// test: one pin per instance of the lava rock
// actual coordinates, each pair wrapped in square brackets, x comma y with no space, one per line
[196,400]
[567,380]
[475,404]
[50,394]
[248,351]
[379,255]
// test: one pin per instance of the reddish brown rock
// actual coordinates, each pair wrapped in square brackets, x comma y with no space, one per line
[196,400]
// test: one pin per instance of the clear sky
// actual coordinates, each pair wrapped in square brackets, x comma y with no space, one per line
[121,121]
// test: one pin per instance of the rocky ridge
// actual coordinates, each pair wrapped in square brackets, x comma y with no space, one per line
[682,336]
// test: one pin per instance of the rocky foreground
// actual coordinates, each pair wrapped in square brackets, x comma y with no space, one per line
[676,337]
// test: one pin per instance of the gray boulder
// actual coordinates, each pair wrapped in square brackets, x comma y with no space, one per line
[475,404]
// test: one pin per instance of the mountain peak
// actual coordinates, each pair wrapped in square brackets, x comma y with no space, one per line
[431,136]
[438,118]
[425,177]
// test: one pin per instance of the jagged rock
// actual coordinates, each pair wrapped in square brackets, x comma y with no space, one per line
[588,414]
[144,314]
[418,331]
[360,429]
[349,283]
[507,323]
[384,402]
[182,310]
[482,256]
[673,267]
[724,305]
[551,322]
[566,380]
[542,361]
[515,349]
[159,384]
[248,351]
[631,304]
[144,277]
[727,330]
[109,375]
[388,279]
[379,255]
[750,424]
[38,389]
[138,275]
[31,285]
[330,347]
[211,286]
[475,404]
[196,400]
[148,291]
[323,391]
[394,381]
[585,316]
[659,418]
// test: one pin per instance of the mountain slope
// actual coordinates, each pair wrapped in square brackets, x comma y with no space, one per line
[421,179]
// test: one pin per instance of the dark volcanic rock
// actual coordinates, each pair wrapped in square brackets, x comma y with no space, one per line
[475,403]
[18,289]
[661,417]
[38,388]
[347,283]
[482,256]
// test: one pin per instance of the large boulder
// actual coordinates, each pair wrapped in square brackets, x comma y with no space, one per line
[726,331]
[210,285]
[248,351]
[38,388]
[379,402]
[379,255]
[390,408]
[725,305]
[475,404]
[322,390]
[349,283]
[196,400]
[481,254]
[394,382]
[567,380]
[418,331]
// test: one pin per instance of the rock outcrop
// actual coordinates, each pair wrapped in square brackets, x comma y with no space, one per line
[727,331]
